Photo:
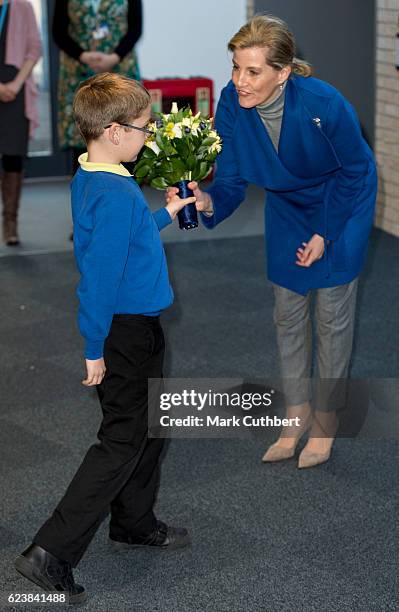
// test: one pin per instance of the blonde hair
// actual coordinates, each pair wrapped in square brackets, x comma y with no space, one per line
[272,33]
[105,98]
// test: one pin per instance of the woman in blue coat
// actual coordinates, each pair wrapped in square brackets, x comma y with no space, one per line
[300,139]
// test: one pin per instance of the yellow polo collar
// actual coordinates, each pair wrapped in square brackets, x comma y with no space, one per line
[101,167]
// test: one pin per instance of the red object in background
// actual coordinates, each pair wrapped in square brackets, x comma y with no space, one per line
[196,92]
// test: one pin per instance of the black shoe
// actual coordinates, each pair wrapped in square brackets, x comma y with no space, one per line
[162,538]
[49,573]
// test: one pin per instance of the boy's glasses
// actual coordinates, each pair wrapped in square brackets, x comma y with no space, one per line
[146,130]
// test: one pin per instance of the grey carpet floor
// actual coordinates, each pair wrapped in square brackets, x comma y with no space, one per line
[266,538]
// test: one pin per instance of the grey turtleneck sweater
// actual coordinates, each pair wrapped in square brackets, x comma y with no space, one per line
[271,114]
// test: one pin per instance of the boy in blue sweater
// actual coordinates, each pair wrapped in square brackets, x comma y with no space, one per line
[123,288]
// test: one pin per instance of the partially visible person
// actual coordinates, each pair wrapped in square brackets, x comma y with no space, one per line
[20,49]
[94,36]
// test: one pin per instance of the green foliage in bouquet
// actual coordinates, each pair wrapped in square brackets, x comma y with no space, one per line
[183,146]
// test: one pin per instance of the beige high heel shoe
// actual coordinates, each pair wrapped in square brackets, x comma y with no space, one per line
[279,452]
[309,459]
[324,428]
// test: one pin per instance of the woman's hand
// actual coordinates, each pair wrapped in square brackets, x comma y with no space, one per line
[175,204]
[105,62]
[90,58]
[203,200]
[311,251]
[7,93]
[13,87]
[87,57]
[95,372]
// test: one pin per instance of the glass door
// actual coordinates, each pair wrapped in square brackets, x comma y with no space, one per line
[44,158]
[42,143]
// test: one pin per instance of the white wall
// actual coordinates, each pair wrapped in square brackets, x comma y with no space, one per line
[189,37]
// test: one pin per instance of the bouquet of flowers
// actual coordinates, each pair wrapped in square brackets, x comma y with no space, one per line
[182,148]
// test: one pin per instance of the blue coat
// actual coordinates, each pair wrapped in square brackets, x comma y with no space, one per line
[322,181]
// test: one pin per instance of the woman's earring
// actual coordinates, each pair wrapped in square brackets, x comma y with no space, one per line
[281,86]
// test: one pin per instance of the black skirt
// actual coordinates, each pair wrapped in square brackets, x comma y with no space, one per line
[14,126]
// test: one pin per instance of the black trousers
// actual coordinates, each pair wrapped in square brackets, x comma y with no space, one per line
[120,473]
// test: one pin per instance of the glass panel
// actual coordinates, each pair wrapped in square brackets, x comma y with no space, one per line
[42,144]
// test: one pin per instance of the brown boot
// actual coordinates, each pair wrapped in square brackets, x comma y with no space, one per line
[11,190]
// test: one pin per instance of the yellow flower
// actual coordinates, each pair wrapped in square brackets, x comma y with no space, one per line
[173,130]
[174,108]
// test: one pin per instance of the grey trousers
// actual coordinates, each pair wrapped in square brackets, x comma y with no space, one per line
[334,318]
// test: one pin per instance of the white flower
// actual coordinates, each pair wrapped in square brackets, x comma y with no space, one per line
[178,131]
[151,144]
[216,146]
[153,126]
[191,123]
[174,108]
[195,127]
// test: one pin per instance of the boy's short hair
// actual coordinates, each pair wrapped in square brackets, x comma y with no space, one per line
[105,98]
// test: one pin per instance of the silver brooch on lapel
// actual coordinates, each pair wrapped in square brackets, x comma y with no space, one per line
[317,121]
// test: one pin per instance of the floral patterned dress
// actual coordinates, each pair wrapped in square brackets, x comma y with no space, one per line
[83,20]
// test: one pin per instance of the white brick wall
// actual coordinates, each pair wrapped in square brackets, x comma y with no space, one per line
[387,117]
